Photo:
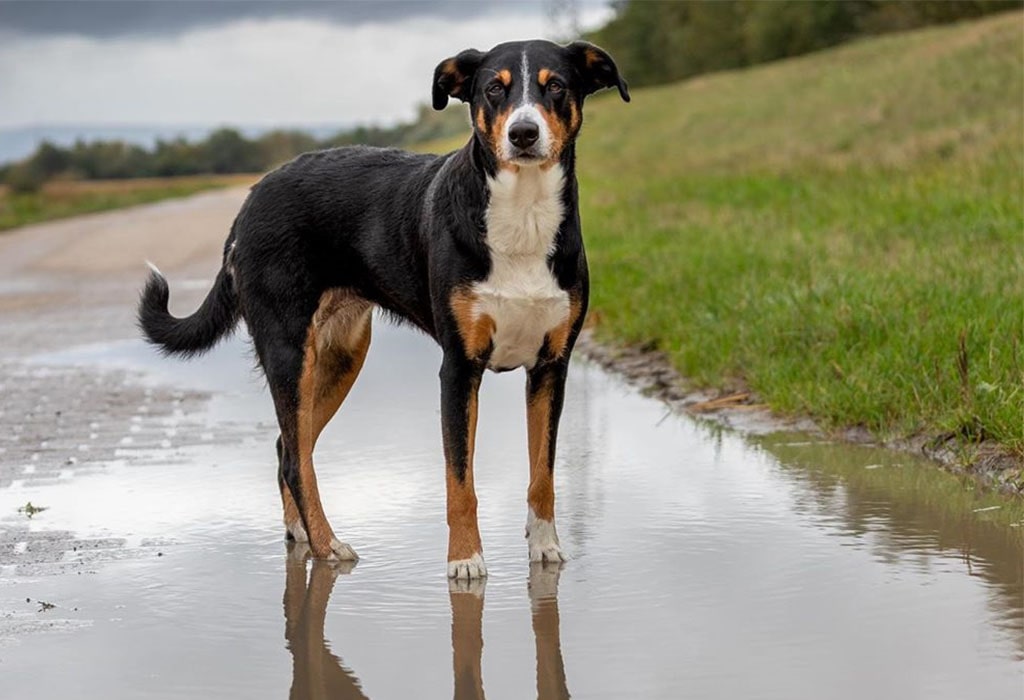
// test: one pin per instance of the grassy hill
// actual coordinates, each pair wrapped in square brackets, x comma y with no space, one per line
[843,233]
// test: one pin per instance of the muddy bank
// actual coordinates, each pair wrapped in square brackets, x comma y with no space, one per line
[650,371]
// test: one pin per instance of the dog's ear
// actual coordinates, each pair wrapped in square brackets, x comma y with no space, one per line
[454,76]
[597,68]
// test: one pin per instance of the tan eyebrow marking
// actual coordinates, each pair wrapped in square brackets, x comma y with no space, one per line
[544,75]
[505,76]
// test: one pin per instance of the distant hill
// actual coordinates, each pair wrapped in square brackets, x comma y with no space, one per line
[19,142]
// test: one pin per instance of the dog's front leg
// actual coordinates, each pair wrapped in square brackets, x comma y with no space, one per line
[460,381]
[545,391]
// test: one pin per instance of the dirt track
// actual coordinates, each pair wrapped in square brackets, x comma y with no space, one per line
[93,260]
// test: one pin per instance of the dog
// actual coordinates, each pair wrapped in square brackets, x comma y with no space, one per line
[480,248]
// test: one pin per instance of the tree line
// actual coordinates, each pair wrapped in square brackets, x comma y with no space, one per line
[661,42]
[222,151]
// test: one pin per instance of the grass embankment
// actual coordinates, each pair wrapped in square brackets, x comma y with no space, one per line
[71,197]
[841,233]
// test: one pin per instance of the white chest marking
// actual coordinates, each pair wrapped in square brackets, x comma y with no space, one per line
[521,294]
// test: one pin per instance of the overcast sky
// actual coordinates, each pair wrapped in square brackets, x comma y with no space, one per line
[252,63]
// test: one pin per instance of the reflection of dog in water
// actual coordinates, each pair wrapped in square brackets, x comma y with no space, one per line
[317,673]
[467,600]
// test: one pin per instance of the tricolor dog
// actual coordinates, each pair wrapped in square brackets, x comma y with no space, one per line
[481,249]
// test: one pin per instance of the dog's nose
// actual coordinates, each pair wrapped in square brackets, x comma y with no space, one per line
[523,134]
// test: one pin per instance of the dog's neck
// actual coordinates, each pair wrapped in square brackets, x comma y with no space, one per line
[524,210]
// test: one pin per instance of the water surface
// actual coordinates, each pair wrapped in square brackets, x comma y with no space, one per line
[703,564]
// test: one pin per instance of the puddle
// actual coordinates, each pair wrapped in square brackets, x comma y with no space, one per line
[703,564]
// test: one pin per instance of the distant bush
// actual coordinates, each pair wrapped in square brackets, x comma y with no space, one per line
[24,179]
[224,151]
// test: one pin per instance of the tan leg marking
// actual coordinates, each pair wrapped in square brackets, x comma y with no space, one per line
[475,329]
[541,495]
[542,539]
[336,347]
[463,531]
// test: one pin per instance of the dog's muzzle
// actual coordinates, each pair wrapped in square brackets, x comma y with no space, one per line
[526,139]
[523,134]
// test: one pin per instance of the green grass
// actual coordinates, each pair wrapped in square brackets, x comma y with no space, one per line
[826,230]
[69,198]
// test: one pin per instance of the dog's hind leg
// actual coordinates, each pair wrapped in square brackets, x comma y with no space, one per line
[335,348]
[293,527]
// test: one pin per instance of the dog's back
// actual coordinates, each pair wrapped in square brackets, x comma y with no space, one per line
[346,217]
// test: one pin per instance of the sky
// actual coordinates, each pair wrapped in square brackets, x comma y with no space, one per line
[247,63]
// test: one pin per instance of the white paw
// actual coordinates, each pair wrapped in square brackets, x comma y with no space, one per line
[542,540]
[296,531]
[472,568]
[341,552]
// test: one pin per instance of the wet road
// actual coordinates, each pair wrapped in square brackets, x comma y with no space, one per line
[703,564]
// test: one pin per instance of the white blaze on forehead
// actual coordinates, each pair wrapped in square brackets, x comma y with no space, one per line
[525,111]
[525,76]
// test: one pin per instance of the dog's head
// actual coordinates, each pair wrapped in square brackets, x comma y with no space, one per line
[526,98]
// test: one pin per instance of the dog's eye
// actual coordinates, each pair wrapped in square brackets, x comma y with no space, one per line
[496,90]
[555,87]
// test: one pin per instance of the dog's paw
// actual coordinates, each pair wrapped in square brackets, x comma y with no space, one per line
[340,551]
[467,569]
[550,552]
[295,532]
[543,540]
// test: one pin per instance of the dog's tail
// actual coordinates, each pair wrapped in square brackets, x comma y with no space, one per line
[195,334]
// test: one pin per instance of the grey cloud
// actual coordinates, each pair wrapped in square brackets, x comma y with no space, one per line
[113,18]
